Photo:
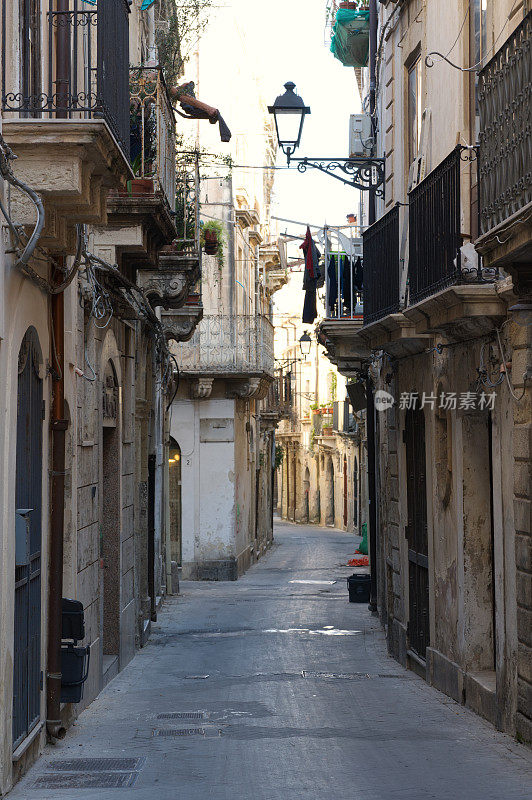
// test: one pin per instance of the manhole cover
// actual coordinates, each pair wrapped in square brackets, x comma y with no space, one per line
[180,732]
[182,715]
[86,780]
[97,764]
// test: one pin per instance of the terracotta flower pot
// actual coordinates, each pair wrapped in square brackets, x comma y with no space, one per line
[141,186]
[211,243]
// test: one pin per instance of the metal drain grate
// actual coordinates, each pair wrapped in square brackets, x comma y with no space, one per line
[97,764]
[180,732]
[86,780]
[182,715]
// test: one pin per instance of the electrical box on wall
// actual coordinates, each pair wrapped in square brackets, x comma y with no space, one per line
[359,133]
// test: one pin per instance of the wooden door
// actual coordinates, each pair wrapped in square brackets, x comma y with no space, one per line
[417,533]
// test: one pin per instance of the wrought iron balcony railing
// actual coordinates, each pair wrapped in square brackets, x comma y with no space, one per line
[152,131]
[505,154]
[381,267]
[278,401]
[435,235]
[87,47]
[229,344]
[187,207]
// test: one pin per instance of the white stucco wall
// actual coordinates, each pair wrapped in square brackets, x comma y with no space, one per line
[208,481]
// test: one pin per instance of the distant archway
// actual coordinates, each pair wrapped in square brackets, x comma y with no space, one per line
[329,508]
[174,471]
[306,490]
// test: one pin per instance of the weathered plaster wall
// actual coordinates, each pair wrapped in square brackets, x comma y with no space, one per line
[470,530]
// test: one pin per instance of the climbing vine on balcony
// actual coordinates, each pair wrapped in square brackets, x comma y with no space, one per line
[179,27]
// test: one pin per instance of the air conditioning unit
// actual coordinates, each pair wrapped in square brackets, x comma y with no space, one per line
[359,133]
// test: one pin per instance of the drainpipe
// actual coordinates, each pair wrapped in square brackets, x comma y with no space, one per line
[57,503]
[59,425]
[373,28]
[370,399]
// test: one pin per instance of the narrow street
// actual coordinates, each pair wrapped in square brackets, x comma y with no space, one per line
[290,695]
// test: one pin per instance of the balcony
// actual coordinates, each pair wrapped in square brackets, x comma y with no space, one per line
[152,132]
[505,156]
[343,298]
[63,116]
[278,401]
[235,348]
[141,215]
[141,226]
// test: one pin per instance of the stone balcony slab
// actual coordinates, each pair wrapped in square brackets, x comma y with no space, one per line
[459,312]
[146,223]
[71,164]
[396,335]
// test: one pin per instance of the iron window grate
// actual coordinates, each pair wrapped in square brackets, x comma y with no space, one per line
[182,715]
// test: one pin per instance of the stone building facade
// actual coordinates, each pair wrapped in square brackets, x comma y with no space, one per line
[91,255]
[448,337]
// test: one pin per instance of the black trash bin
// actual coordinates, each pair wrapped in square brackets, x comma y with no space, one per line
[359,588]
[73,620]
[75,663]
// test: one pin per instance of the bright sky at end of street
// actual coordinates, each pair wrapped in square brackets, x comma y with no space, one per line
[287,41]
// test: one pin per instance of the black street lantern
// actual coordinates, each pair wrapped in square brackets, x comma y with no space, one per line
[305,343]
[289,112]
[365,173]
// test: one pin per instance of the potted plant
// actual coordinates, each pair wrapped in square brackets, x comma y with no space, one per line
[212,239]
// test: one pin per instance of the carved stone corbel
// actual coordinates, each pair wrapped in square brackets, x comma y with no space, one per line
[201,388]
[166,289]
[179,325]
[246,389]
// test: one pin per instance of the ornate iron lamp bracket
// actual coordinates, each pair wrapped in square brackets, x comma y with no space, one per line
[363,173]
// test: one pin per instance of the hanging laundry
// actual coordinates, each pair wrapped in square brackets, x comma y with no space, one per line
[358,275]
[313,278]
[332,277]
[346,284]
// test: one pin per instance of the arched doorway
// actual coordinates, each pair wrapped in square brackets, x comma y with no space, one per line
[306,488]
[293,486]
[28,536]
[111,517]
[174,493]
[329,510]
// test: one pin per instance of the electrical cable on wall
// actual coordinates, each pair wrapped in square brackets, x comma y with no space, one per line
[429,61]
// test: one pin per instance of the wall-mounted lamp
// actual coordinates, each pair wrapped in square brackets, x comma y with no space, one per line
[305,343]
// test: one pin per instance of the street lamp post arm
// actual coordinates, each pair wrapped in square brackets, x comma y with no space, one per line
[362,173]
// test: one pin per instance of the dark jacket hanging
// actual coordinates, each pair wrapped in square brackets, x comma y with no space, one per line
[358,275]
[346,284]
[332,278]
[312,277]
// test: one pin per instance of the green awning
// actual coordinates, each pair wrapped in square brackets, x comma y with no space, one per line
[350,41]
